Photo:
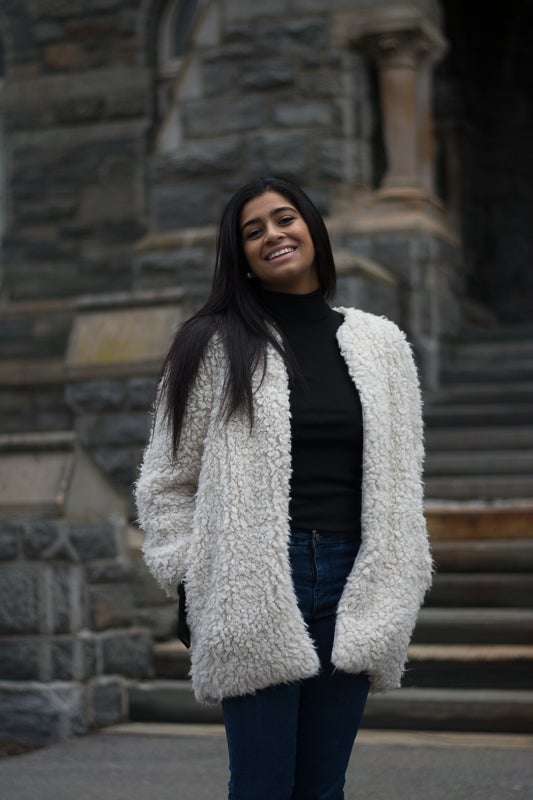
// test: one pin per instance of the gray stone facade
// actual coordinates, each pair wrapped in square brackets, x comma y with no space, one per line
[118,159]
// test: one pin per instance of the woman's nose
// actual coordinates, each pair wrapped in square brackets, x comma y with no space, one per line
[273,233]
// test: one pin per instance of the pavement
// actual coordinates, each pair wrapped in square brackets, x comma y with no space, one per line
[137,761]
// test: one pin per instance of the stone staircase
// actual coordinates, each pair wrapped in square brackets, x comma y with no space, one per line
[471,659]
[470,664]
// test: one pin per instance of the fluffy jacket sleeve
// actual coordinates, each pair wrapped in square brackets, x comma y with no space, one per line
[379,609]
[166,487]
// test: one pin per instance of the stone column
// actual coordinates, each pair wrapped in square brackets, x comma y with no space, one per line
[403,44]
[404,60]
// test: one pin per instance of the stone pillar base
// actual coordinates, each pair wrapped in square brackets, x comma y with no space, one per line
[395,208]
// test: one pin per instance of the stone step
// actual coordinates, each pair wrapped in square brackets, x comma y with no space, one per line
[488,487]
[481,393]
[480,520]
[507,332]
[169,701]
[482,590]
[474,626]
[459,665]
[171,659]
[470,666]
[489,710]
[493,351]
[473,372]
[493,437]
[488,626]
[477,414]
[511,555]
[486,462]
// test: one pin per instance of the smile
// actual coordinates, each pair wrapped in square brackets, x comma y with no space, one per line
[281,252]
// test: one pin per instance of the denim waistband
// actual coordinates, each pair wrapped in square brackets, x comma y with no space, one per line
[298,536]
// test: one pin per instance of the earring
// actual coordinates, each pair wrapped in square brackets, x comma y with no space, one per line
[249,275]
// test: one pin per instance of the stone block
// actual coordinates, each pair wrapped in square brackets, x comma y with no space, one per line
[146,589]
[109,572]
[160,620]
[268,73]
[141,393]
[110,606]
[127,654]
[118,336]
[114,430]
[96,395]
[86,654]
[87,109]
[34,482]
[10,533]
[41,713]
[321,83]
[187,205]
[19,659]
[333,159]
[213,117]
[63,665]
[64,598]
[20,598]
[285,154]
[94,540]
[220,77]
[39,536]
[292,36]
[241,31]
[66,9]
[65,55]
[302,115]
[109,200]
[308,6]
[198,159]
[236,9]
[186,266]
[48,32]
[122,465]
[355,291]
[107,698]
[125,105]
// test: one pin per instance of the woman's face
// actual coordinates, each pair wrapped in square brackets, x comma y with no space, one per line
[277,245]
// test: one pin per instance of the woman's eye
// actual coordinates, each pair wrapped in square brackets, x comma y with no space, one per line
[253,234]
[285,220]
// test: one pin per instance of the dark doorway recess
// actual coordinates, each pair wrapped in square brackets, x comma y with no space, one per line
[484,89]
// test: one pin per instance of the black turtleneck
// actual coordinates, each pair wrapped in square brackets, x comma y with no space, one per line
[326,417]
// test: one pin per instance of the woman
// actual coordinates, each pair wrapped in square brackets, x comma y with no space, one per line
[282,485]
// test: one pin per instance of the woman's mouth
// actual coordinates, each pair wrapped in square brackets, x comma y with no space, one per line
[282,251]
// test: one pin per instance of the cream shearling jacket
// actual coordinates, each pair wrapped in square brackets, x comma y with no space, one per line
[217,518]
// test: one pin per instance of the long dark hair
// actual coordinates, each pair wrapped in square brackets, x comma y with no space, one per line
[234,310]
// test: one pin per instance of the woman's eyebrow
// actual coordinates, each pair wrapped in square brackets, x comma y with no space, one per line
[274,211]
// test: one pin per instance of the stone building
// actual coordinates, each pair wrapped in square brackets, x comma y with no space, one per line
[125,125]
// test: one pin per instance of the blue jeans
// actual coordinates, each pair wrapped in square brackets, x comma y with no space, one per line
[293,741]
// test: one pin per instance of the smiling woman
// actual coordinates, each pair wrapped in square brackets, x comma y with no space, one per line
[281,488]
[277,245]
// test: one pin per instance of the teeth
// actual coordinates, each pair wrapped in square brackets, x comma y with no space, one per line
[281,252]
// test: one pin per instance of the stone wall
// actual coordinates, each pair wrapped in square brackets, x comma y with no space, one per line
[71,636]
[100,175]
[76,105]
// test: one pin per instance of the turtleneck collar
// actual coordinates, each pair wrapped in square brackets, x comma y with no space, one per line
[309,307]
